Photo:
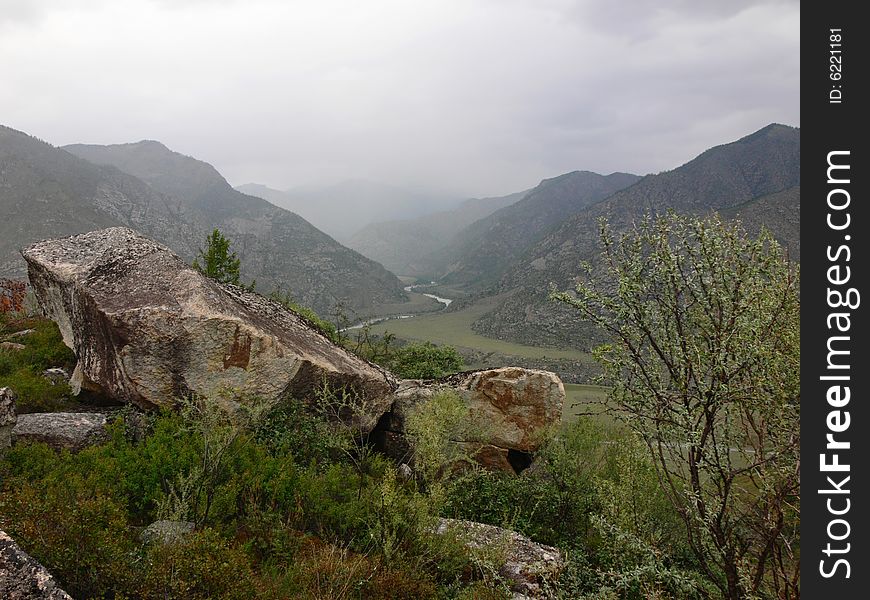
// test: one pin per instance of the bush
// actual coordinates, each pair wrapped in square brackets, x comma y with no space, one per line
[80,532]
[425,361]
[201,566]
[22,370]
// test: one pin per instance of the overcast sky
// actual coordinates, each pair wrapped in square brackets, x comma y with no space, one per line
[470,97]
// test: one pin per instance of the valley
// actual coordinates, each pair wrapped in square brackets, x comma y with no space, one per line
[454,328]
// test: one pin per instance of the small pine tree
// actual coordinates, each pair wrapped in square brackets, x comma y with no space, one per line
[216,261]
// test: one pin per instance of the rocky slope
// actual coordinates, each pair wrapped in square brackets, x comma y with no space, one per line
[482,252]
[46,192]
[763,167]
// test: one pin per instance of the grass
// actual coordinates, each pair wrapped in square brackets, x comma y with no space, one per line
[583,399]
[454,328]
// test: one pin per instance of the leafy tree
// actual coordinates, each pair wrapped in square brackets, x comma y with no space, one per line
[704,365]
[216,261]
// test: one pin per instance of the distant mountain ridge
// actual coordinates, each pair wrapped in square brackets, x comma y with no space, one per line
[277,248]
[483,251]
[409,247]
[46,192]
[342,209]
[49,192]
[756,178]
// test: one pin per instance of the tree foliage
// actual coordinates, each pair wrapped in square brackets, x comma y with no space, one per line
[704,365]
[216,261]
[425,361]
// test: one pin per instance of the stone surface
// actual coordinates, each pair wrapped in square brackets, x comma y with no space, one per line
[147,329]
[512,404]
[72,431]
[166,532]
[22,333]
[8,416]
[56,375]
[11,346]
[527,565]
[22,578]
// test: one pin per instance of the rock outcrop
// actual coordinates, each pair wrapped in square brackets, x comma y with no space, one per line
[22,578]
[512,405]
[527,565]
[148,329]
[7,416]
[70,431]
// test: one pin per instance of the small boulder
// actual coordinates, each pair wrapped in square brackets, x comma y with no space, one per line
[7,416]
[526,565]
[56,376]
[71,431]
[166,532]
[22,578]
[22,333]
[405,472]
[11,346]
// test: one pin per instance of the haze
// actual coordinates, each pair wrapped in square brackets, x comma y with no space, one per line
[455,96]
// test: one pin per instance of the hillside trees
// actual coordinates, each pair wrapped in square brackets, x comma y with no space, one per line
[704,366]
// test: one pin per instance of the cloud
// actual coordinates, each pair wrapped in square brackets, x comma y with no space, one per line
[475,97]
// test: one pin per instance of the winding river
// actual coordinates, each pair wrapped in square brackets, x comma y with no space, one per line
[408,288]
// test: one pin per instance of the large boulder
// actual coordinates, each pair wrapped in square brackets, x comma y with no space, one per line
[7,416]
[22,578]
[529,568]
[511,404]
[69,431]
[148,329]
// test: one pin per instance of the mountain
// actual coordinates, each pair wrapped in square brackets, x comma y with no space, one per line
[46,192]
[780,213]
[407,247]
[277,248]
[755,178]
[344,208]
[481,253]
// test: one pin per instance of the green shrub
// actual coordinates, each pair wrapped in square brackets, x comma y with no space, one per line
[22,370]
[79,532]
[322,325]
[290,428]
[425,361]
[201,566]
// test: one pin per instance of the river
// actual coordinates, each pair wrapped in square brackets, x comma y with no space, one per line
[408,288]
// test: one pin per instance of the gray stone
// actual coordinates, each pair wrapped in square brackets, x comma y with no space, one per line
[12,346]
[7,416]
[22,578]
[56,375]
[148,329]
[405,472]
[21,333]
[528,566]
[166,532]
[72,431]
